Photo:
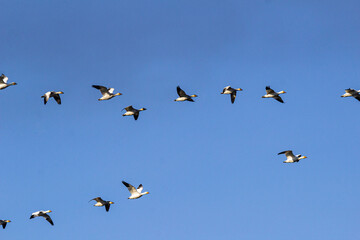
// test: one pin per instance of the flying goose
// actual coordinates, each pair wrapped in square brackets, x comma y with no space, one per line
[130,111]
[43,214]
[55,95]
[3,82]
[290,157]
[135,193]
[272,94]
[3,223]
[352,93]
[231,91]
[183,96]
[107,93]
[100,203]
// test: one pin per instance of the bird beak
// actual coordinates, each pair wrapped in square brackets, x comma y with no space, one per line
[111,202]
[50,211]
[305,156]
[8,221]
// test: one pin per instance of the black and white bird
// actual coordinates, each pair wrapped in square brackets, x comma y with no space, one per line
[55,95]
[272,94]
[130,111]
[107,93]
[3,82]
[183,96]
[232,92]
[352,93]
[100,202]
[4,222]
[135,193]
[43,214]
[290,157]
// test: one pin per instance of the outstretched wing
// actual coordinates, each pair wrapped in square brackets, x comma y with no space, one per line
[107,206]
[129,108]
[102,89]
[287,153]
[136,115]
[130,187]
[56,97]
[357,97]
[180,92]
[98,199]
[4,225]
[48,218]
[140,188]
[278,98]
[269,90]
[233,96]
[3,78]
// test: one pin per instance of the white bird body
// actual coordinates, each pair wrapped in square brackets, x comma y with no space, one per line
[135,193]
[3,82]
[352,93]
[107,93]
[43,214]
[291,158]
[231,91]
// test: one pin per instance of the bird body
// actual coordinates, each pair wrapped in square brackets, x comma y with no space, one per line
[183,96]
[107,93]
[272,94]
[290,157]
[352,93]
[100,202]
[135,193]
[3,82]
[43,214]
[130,111]
[232,92]
[55,95]
[4,222]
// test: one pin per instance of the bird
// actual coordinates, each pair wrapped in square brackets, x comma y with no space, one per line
[55,95]
[4,222]
[183,96]
[101,202]
[107,93]
[290,157]
[43,214]
[135,193]
[130,111]
[231,91]
[3,82]
[352,93]
[272,94]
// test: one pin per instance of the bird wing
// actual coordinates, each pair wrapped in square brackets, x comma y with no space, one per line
[140,188]
[98,199]
[107,206]
[278,98]
[3,78]
[102,89]
[269,90]
[357,97]
[111,90]
[287,153]
[136,115]
[48,218]
[129,108]
[46,97]
[181,92]
[4,225]
[130,187]
[350,90]
[56,97]
[233,96]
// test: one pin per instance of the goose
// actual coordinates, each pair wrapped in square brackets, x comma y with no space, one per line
[4,222]
[352,93]
[290,157]
[231,91]
[100,203]
[183,96]
[43,214]
[3,82]
[55,95]
[130,111]
[272,94]
[107,93]
[135,193]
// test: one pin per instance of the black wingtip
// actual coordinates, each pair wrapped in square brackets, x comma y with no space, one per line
[125,183]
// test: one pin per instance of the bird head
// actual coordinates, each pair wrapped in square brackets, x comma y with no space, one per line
[238,89]
[194,95]
[7,221]
[111,202]
[142,109]
[118,94]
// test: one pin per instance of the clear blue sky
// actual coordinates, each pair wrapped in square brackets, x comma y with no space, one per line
[211,167]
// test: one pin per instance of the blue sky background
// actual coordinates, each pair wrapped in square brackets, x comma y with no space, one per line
[211,167]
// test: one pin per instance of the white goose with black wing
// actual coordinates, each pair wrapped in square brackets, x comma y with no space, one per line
[107,93]
[3,82]
[183,96]
[135,192]
[130,111]
[4,222]
[232,92]
[43,214]
[290,157]
[100,202]
[52,94]
[272,94]
[352,93]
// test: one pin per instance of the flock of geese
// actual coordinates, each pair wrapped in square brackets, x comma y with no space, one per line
[108,93]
